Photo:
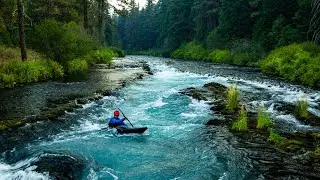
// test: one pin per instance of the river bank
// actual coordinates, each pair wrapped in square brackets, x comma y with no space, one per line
[26,111]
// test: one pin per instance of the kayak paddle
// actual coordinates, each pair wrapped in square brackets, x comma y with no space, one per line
[125,116]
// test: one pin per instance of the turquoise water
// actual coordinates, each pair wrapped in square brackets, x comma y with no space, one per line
[177,144]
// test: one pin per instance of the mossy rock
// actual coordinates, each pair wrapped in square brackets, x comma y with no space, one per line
[4,125]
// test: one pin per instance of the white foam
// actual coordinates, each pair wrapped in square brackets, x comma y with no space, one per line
[22,171]
[159,103]
[189,115]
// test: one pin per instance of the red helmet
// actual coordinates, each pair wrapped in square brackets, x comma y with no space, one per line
[116,113]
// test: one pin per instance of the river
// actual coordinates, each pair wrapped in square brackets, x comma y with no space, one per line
[177,144]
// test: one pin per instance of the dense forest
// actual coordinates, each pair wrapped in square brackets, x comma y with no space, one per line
[243,32]
[57,38]
[280,37]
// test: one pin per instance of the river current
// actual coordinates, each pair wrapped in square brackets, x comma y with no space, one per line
[177,144]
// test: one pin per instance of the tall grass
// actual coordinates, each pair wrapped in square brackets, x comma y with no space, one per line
[302,107]
[242,122]
[16,72]
[13,54]
[264,120]
[233,98]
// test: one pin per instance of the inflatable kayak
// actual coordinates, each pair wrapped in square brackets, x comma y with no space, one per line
[137,130]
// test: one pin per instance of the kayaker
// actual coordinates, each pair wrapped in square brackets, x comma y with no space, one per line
[115,121]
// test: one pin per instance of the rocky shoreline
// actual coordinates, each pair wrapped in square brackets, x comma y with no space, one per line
[295,159]
[29,125]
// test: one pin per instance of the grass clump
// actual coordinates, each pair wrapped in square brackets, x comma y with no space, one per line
[264,120]
[233,98]
[77,66]
[242,123]
[276,139]
[302,107]
[17,72]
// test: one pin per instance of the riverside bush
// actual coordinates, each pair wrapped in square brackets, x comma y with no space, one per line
[118,52]
[100,56]
[246,52]
[77,66]
[233,98]
[220,56]
[17,72]
[192,50]
[302,107]
[264,120]
[62,42]
[296,63]
[242,123]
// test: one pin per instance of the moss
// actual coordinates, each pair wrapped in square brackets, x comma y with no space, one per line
[233,98]
[242,122]
[4,125]
[264,120]
[317,151]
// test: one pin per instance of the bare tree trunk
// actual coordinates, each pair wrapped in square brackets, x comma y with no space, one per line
[85,14]
[100,20]
[21,31]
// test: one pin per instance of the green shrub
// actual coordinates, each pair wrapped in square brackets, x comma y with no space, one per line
[100,56]
[220,56]
[276,139]
[264,120]
[242,122]
[62,42]
[302,107]
[77,66]
[296,62]
[233,98]
[18,72]
[246,52]
[192,50]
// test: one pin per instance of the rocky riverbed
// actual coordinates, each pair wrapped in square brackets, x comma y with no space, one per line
[294,160]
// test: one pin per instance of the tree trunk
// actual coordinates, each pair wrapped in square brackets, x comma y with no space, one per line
[21,31]
[100,20]
[85,14]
